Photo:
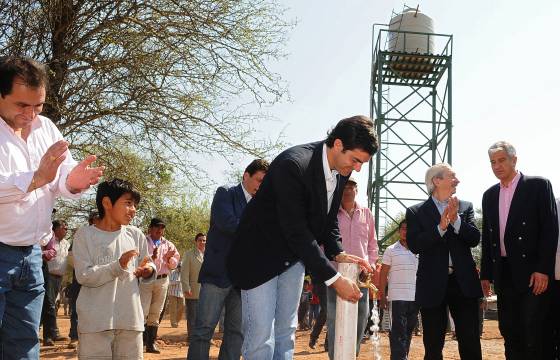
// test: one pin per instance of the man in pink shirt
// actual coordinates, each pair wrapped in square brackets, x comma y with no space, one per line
[166,258]
[357,229]
[519,239]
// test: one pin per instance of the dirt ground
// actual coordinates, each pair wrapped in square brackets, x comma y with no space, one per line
[173,343]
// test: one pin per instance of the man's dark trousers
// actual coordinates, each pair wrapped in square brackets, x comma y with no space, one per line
[48,314]
[320,289]
[464,311]
[530,309]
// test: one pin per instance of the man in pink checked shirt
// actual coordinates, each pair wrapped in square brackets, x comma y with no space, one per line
[166,257]
[357,229]
[36,168]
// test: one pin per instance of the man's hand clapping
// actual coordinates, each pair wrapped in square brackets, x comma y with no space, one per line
[83,176]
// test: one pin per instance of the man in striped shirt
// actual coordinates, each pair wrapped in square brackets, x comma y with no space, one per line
[399,270]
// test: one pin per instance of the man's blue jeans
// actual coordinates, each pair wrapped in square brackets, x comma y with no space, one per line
[363,306]
[211,301]
[21,300]
[404,316]
[270,316]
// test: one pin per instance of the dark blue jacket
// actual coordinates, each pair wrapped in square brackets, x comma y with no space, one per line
[227,206]
[433,261]
[531,233]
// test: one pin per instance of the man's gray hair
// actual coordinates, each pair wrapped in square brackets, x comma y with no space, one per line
[502,146]
[436,171]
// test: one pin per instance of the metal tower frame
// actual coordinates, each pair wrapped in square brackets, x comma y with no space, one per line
[413,124]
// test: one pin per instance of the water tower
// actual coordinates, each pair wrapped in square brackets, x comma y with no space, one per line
[410,102]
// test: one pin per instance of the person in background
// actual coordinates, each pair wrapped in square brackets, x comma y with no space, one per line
[166,258]
[314,306]
[54,268]
[175,300]
[190,270]
[357,229]
[303,309]
[398,273]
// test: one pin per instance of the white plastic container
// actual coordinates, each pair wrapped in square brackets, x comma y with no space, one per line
[411,20]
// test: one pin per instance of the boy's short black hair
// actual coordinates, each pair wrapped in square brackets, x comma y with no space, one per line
[356,132]
[401,223]
[114,189]
[257,165]
[198,235]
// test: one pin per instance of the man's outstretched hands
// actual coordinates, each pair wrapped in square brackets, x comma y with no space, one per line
[83,176]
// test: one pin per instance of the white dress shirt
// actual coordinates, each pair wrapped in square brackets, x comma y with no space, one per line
[26,217]
[330,181]
[248,196]
[330,178]
[441,206]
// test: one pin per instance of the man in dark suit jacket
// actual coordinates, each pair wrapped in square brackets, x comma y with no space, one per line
[282,229]
[216,290]
[442,231]
[519,238]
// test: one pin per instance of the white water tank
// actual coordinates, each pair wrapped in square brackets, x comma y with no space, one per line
[411,20]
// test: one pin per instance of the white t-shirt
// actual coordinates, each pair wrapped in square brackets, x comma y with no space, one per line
[402,274]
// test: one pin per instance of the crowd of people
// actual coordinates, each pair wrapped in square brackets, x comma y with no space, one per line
[294,216]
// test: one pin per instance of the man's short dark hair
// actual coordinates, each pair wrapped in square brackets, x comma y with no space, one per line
[114,189]
[403,221]
[30,71]
[57,223]
[356,132]
[257,165]
[198,235]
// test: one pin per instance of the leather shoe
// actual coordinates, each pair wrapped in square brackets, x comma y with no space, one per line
[312,343]
[48,342]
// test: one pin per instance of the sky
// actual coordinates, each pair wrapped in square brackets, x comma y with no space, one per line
[505,83]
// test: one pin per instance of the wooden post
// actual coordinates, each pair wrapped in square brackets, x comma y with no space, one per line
[346,323]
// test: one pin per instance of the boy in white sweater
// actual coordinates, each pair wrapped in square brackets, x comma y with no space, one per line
[109,257]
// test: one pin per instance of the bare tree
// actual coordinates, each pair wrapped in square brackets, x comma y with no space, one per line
[169,78]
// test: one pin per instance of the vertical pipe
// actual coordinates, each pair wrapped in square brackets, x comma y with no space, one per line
[434,128]
[370,192]
[449,115]
[378,122]
[346,321]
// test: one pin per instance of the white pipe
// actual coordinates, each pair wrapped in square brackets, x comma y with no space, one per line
[346,322]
